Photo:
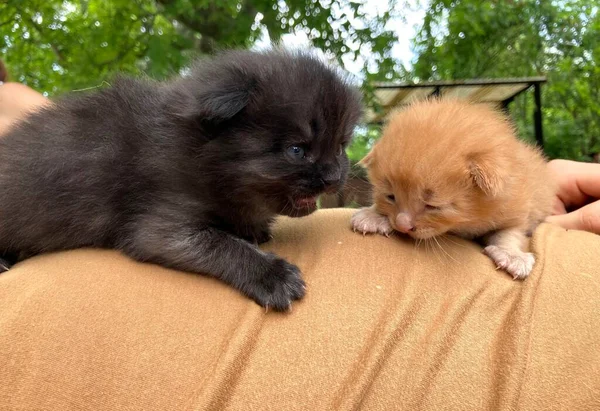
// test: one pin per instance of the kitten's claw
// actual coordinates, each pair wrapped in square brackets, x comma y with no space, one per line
[515,262]
[280,284]
[368,221]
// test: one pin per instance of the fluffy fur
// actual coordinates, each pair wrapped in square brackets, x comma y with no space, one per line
[450,166]
[188,173]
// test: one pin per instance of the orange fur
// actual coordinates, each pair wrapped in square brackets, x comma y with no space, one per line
[463,158]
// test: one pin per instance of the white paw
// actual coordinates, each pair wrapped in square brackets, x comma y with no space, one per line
[366,221]
[515,262]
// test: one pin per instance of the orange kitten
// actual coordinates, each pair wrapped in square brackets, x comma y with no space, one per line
[450,166]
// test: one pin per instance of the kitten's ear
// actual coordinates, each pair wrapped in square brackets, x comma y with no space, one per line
[487,172]
[367,160]
[210,98]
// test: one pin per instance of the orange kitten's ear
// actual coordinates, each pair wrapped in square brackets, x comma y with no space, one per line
[487,173]
[367,160]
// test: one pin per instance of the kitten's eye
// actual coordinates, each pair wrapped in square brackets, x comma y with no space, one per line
[391,197]
[430,207]
[296,152]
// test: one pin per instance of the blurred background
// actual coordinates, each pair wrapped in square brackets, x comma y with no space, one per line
[58,46]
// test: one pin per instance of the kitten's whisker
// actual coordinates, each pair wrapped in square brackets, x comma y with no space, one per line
[434,250]
[444,251]
[445,238]
[418,243]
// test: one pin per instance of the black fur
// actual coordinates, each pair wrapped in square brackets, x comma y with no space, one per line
[188,173]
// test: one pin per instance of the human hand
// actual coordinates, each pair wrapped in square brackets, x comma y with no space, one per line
[577,204]
[16,101]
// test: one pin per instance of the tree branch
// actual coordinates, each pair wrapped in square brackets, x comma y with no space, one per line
[39,30]
[126,50]
[211,31]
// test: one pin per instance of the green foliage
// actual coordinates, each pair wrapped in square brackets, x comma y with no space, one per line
[510,38]
[62,45]
[364,138]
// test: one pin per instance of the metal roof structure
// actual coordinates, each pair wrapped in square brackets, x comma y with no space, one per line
[498,92]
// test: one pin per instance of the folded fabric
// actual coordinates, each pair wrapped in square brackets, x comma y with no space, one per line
[384,325]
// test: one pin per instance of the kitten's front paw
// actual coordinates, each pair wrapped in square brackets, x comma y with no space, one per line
[278,286]
[517,263]
[366,221]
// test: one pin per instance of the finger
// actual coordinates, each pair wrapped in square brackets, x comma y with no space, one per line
[586,177]
[559,207]
[567,192]
[586,218]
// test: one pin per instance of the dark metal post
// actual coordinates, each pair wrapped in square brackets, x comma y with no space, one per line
[505,104]
[537,115]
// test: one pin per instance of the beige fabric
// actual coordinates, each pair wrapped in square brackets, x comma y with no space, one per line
[384,326]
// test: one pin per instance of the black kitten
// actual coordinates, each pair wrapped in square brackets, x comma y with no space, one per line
[188,174]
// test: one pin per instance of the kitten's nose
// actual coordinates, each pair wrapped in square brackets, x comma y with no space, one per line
[405,223]
[331,180]
[331,176]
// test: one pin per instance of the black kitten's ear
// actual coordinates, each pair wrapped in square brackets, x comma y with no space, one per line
[222,104]
[210,98]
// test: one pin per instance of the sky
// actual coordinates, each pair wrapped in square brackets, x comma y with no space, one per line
[405,29]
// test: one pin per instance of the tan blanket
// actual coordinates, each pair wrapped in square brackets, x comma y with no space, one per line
[384,326]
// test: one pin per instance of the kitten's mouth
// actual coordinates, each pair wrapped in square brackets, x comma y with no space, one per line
[419,236]
[305,202]
[300,206]
[424,234]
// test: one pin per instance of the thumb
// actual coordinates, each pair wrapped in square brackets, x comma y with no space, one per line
[585,218]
